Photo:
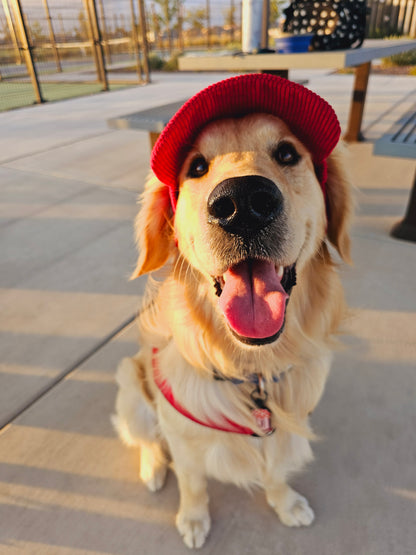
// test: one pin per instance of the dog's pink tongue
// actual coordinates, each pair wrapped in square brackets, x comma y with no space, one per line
[253,299]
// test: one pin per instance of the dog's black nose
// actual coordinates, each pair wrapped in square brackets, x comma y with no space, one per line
[243,205]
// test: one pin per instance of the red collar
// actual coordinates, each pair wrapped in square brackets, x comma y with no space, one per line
[261,414]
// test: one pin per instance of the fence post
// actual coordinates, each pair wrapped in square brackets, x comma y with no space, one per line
[400,17]
[104,33]
[91,37]
[12,32]
[135,41]
[265,25]
[96,43]
[52,36]
[145,48]
[412,28]
[408,19]
[394,16]
[27,50]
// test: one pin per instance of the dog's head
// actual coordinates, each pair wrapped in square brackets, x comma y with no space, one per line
[247,203]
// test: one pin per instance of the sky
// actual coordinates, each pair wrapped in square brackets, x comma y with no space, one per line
[69,9]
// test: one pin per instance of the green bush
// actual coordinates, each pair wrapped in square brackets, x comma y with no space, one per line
[402,59]
[171,64]
[155,62]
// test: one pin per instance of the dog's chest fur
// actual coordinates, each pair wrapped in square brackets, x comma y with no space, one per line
[234,458]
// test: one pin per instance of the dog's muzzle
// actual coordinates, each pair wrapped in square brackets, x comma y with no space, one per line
[244,205]
[252,299]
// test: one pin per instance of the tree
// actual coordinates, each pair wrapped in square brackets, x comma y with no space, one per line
[36,32]
[169,10]
[196,19]
[229,19]
[275,11]
[81,32]
[156,23]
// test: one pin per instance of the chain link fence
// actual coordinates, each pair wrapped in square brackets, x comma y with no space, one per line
[55,49]
[50,50]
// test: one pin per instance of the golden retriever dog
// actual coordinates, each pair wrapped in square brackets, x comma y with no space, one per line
[237,328]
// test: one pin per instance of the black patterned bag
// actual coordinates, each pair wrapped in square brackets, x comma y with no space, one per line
[335,24]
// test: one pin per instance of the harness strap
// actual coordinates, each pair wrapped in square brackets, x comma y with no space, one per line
[167,392]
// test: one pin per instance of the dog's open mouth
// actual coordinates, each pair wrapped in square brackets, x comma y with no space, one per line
[253,295]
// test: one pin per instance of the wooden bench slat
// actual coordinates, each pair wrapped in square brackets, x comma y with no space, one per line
[407,131]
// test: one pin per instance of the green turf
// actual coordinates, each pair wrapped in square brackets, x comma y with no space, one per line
[16,95]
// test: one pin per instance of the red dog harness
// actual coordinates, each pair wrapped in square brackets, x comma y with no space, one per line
[261,413]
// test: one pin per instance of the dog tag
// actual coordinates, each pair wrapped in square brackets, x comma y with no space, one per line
[263,420]
[261,413]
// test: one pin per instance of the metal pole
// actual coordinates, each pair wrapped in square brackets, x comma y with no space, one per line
[104,32]
[265,26]
[135,41]
[406,229]
[143,32]
[28,29]
[362,73]
[27,50]
[52,36]
[99,45]
[91,38]
[407,19]
[96,42]
[400,18]
[412,28]
[12,32]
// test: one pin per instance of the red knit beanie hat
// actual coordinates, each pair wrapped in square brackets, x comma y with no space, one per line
[306,114]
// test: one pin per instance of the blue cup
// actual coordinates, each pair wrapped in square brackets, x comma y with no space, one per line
[293,43]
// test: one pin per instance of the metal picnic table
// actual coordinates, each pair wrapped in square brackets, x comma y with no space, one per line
[155,119]
[400,142]
[281,64]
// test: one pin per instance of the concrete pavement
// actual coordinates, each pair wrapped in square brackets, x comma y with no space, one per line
[67,485]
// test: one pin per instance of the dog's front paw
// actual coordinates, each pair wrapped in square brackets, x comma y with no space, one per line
[292,508]
[194,531]
[153,478]
[153,466]
[298,514]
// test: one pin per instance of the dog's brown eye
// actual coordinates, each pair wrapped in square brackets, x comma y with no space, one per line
[286,154]
[198,167]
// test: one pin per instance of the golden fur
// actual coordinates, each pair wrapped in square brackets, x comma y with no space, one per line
[181,318]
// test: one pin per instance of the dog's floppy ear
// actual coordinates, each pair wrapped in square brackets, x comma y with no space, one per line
[339,203]
[153,227]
